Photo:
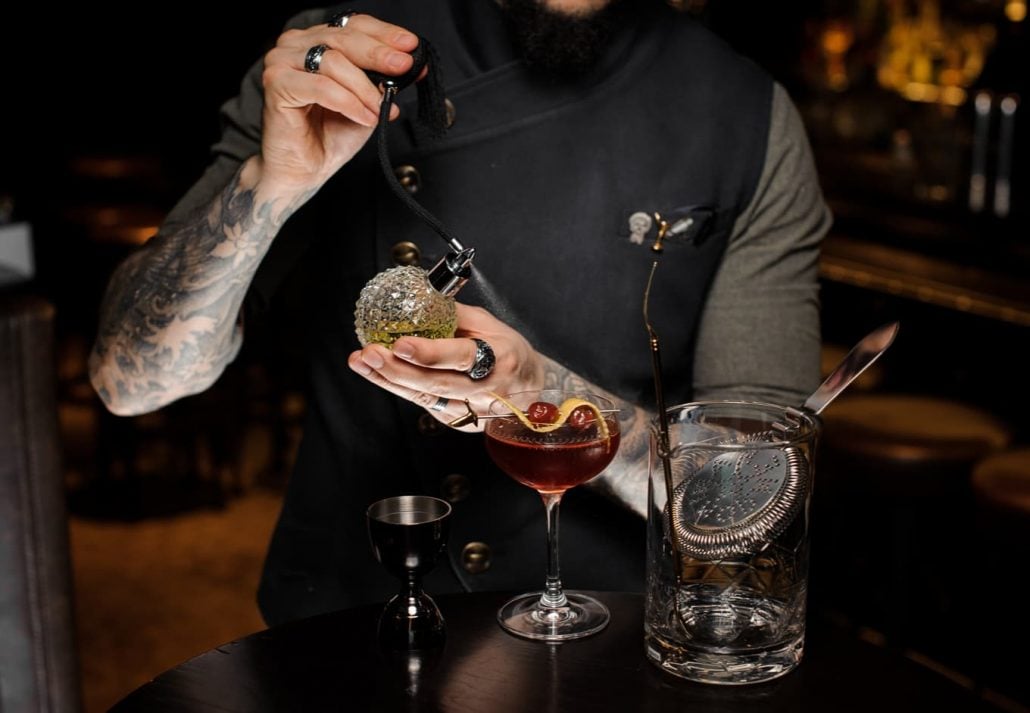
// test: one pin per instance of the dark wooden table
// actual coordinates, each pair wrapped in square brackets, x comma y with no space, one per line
[331,663]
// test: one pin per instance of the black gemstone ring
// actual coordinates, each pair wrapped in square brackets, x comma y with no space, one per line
[484,362]
[313,59]
[341,19]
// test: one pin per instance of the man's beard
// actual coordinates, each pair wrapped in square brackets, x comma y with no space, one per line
[560,45]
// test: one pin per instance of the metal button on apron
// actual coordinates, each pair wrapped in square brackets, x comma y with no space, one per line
[475,557]
[448,106]
[408,177]
[405,253]
[455,487]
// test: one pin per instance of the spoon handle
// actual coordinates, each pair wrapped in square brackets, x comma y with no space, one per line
[860,358]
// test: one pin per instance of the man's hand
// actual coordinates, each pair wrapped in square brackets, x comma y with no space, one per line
[429,372]
[424,371]
[315,122]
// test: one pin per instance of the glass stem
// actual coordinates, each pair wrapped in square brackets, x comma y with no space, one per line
[553,596]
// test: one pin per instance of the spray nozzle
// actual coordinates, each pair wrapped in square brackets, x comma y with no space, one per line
[452,272]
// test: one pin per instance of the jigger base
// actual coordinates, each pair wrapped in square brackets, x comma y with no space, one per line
[411,623]
[582,616]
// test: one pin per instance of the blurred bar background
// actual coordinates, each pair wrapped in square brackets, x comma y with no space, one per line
[915,109]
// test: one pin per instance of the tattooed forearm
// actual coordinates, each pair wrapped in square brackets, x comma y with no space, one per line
[169,320]
[625,480]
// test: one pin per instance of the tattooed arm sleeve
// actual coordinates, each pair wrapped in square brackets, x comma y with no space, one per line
[625,479]
[169,322]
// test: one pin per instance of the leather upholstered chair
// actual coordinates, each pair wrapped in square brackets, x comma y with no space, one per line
[38,665]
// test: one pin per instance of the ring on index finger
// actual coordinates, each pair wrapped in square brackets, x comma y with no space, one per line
[341,19]
[313,59]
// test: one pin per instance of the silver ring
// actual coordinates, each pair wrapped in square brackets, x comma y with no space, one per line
[313,59]
[440,405]
[484,361]
[341,19]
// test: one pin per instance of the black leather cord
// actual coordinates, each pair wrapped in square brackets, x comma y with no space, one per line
[432,116]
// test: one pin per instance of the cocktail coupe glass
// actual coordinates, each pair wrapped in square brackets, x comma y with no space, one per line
[551,462]
[408,534]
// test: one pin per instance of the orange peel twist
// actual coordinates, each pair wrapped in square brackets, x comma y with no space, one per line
[564,411]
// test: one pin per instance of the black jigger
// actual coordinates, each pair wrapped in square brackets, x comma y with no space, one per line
[408,534]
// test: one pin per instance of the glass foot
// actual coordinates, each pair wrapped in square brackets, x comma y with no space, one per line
[581,616]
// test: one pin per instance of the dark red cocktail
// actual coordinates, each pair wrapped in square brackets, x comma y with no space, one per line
[552,440]
[551,462]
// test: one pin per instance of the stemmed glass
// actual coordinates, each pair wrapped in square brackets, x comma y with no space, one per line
[408,534]
[565,444]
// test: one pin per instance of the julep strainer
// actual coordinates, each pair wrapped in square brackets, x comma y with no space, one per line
[745,489]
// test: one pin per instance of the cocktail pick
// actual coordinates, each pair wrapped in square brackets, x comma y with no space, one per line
[473,418]
[469,417]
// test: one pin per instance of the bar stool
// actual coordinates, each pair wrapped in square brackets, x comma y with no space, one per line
[902,444]
[1001,490]
[892,494]
[1001,485]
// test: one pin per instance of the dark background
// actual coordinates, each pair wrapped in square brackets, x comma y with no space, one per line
[92,79]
